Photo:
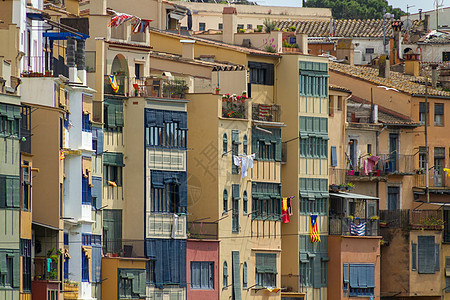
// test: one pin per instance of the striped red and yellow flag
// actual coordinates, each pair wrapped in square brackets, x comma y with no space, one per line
[314,228]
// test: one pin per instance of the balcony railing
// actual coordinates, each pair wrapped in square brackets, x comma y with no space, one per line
[267,113]
[414,219]
[388,164]
[437,179]
[36,66]
[234,107]
[354,227]
[203,230]
[158,87]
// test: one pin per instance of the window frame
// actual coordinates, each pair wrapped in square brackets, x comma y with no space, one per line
[439,116]
[210,269]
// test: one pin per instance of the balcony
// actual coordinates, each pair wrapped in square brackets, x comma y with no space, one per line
[234,107]
[412,219]
[203,230]
[353,215]
[266,113]
[158,87]
[44,66]
[337,176]
[122,82]
[438,180]
[388,164]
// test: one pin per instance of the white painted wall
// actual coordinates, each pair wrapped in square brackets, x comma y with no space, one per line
[38,90]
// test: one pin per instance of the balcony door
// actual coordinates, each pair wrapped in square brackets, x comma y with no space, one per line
[393,151]
[393,198]
[439,157]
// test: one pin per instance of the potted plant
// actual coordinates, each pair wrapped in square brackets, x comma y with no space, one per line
[374,218]
[334,187]
[217,90]
[350,186]
[350,172]
[54,255]
[342,187]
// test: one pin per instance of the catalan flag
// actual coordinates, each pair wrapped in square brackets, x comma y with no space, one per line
[114,85]
[314,227]
[112,183]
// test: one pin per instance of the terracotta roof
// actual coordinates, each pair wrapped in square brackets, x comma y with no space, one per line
[217,43]
[214,65]
[123,44]
[340,28]
[399,81]
[339,88]
[385,115]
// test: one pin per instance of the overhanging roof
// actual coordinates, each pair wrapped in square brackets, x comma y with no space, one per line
[353,196]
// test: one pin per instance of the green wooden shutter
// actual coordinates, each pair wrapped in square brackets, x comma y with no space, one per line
[111,111]
[426,254]
[2,191]
[9,191]
[16,192]
[119,115]
[270,260]
[317,275]
[413,256]
[16,270]
[236,276]
[447,266]
[142,284]
[3,264]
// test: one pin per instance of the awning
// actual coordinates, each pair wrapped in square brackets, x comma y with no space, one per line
[46,226]
[352,196]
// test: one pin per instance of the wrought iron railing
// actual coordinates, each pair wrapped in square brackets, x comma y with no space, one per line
[414,219]
[354,226]
[437,179]
[158,87]
[265,112]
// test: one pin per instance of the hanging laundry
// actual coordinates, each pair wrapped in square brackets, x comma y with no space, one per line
[370,163]
[448,172]
[118,18]
[314,229]
[284,210]
[112,183]
[245,161]
[290,206]
[140,25]
[263,110]
[359,229]
[174,226]
[113,82]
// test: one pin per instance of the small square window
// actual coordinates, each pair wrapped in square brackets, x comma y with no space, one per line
[202,26]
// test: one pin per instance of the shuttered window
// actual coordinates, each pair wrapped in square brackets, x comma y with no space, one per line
[165,129]
[245,203]
[225,144]
[113,115]
[234,150]
[261,73]
[9,191]
[112,230]
[236,276]
[426,254]
[359,279]
[244,275]
[413,256]
[225,275]
[235,214]
[225,201]
[132,283]
[25,252]
[267,146]
[266,269]
[168,192]
[10,269]
[266,201]
[313,132]
[202,275]
[333,156]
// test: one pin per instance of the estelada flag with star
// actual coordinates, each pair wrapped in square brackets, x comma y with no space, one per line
[314,229]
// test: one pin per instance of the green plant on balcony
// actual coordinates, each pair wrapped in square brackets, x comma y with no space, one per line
[432,221]
[233,106]
[175,88]
[54,255]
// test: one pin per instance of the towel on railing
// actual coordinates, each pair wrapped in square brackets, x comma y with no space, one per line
[359,229]
[369,163]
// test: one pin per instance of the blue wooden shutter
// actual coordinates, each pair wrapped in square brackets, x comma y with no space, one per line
[236,276]
[353,275]
[426,254]
[413,256]
[345,268]
[100,141]
[370,275]
[362,276]
[437,260]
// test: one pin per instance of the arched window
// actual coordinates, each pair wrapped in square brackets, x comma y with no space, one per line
[244,275]
[225,201]
[245,203]
[245,145]
[225,143]
[225,275]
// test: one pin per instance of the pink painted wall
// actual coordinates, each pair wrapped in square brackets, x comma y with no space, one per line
[350,249]
[201,250]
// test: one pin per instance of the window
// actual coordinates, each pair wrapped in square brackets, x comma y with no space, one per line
[202,275]
[225,201]
[249,26]
[244,275]
[331,105]
[245,145]
[166,129]
[446,236]
[422,112]
[90,61]
[168,192]
[9,191]
[225,275]
[234,150]
[261,73]
[370,50]
[313,141]
[266,146]
[445,56]
[132,284]
[112,230]
[87,125]
[245,203]
[340,103]
[201,26]
[84,266]
[113,115]
[9,269]
[438,114]
[137,70]
[25,252]
[266,201]
[447,274]
[220,26]
[235,216]
[9,120]
[112,168]
[313,79]
[225,144]
[369,148]
[86,198]
[240,26]
[393,198]
[427,254]
[333,156]
[266,151]
[313,196]
[266,269]
[413,256]
[150,271]
[26,186]
[359,280]
[422,157]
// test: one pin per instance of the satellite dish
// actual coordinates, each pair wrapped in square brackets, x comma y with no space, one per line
[408,24]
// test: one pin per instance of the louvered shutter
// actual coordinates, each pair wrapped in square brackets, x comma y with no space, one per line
[2,191]
[413,256]
[16,270]
[345,275]
[236,276]
[370,275]
[119,115]
[317,276]
[426,254]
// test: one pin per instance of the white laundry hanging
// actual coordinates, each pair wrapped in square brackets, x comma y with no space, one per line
[245,161]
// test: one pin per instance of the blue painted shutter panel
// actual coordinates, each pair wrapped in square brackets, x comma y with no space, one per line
[96,263]
[370,276]
[333,156]
[353,276]
[236,276]
[100,141]
[345,268]
[362,276]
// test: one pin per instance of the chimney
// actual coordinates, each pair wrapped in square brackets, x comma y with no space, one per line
[345,50]
[434,75]
[426,25]
[384,67]
[229,20]
[411,64]
[302,42]
[70,58]
[80,57]
[375,114]
[187,49]
[420,14]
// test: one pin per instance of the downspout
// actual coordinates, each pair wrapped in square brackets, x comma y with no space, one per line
[377,150]
[275,96]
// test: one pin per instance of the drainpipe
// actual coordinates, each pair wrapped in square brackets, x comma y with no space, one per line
[377,150]
[275,96]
